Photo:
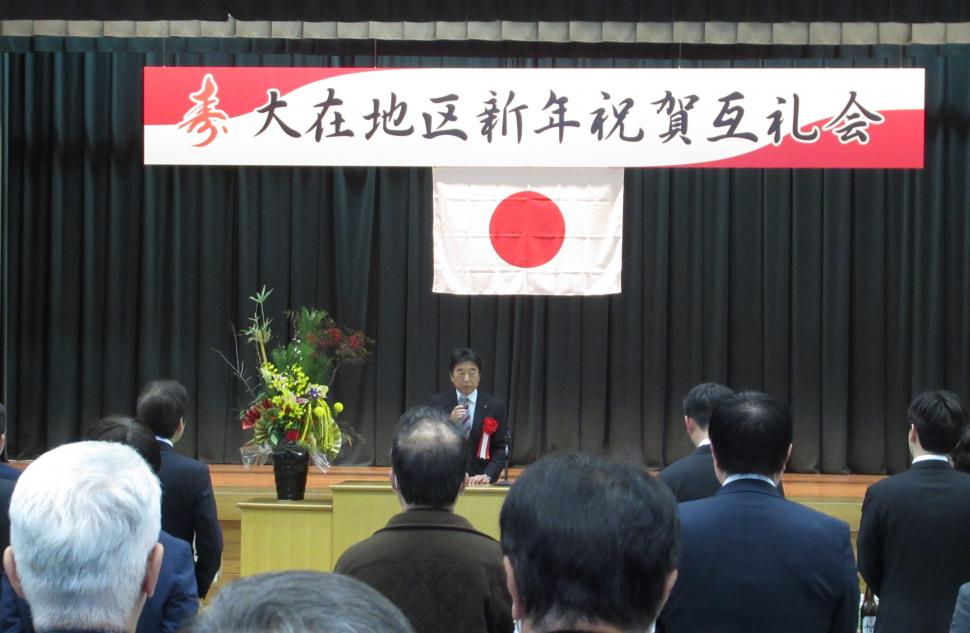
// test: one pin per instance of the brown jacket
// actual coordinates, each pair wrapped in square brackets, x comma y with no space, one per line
[445,576]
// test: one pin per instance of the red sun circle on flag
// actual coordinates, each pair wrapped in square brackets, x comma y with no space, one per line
[527,229]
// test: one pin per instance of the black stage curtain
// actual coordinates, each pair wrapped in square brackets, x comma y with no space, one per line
[489,10]
[843,292]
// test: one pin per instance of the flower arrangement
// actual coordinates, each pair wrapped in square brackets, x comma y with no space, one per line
[289,401]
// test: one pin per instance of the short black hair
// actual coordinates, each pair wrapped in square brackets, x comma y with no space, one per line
[590,540]
[939,418]
[701,401]
[124,430]
[750,433]
[464,355]
[961,453]
[429,457]
[161,406]
[299,601]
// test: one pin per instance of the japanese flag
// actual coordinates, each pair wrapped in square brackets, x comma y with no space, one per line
[555,231]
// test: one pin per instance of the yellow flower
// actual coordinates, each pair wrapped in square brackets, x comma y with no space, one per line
[338,407]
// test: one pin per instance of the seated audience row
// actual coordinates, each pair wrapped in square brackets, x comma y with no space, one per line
[587,545]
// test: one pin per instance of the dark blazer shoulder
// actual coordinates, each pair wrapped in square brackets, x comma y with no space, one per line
[688,464]
[175,465]
[917,477]
[174,458]
[692,477]
[9,472]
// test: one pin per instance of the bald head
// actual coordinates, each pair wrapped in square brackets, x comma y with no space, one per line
[429,458]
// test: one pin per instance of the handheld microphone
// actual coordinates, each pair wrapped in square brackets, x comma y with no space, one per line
[463,402]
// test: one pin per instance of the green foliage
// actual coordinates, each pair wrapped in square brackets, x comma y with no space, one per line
[307,324]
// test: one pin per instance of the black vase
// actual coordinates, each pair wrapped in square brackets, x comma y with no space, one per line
[290,465]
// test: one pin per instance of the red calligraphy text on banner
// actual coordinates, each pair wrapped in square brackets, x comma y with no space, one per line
[204,117]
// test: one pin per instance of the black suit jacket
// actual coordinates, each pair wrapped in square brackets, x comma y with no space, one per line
[753,562]
[692,477]
[189,511]
[6,491]
[486,406]
[914,546]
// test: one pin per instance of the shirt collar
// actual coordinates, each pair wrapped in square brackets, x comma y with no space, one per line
[472,397]
[740,476]
[166,440]
[931,457]
[705,442]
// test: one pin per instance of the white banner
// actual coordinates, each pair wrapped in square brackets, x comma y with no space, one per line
[602,117]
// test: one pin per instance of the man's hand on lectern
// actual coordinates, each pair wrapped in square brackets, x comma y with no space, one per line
[477,480]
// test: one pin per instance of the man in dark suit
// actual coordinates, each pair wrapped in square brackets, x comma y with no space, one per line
[480,416]
[439,570]
[693,476]
[188,504]
[751,560]
[913,546]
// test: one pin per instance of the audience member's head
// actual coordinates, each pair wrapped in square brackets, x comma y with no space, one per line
[130,432]
[750,433]
[161,407]
[84,525]
[428,459]
[938,418]
[701,401]
[588,541]
[300,602]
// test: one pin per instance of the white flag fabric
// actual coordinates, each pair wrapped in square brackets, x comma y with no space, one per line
[550,231]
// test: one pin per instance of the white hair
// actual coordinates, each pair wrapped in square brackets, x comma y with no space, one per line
[83,520]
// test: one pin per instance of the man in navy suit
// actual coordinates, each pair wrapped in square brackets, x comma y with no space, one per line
[913,546]
[693,476]
[480,416]
[750,559]
[188,504]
